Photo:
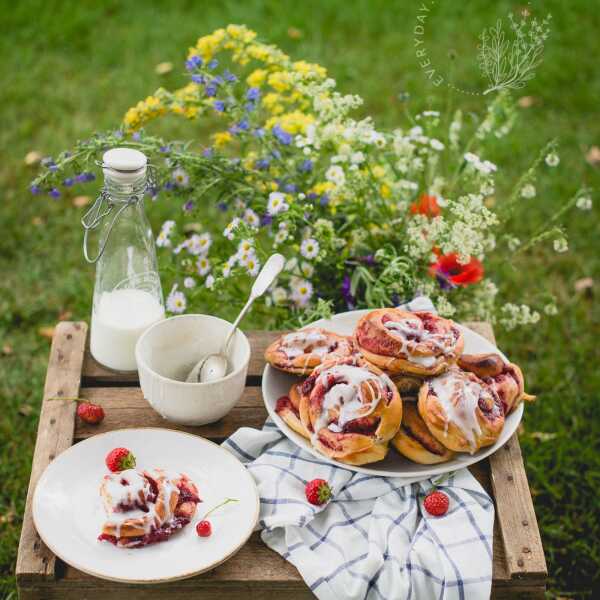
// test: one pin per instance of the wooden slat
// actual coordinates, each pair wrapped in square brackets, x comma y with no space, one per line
[514,506]
[95,374]
[55,434]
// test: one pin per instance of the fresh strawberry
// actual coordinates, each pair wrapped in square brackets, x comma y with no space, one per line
[318,492]
[120,459]
[436,504]
[90,413]
[204,528]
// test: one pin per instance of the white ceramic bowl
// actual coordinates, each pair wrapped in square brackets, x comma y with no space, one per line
[166,353]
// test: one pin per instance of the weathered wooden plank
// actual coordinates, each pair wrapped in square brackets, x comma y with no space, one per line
[55,434]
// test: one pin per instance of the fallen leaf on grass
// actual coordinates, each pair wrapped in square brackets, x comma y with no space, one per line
[294,33]
[47,332]
[25,409]
[7,349]
[584,284]
[37,221]
[542,436]
[32,158]
[527,101]
[81,201]
[593,156]
[163,68]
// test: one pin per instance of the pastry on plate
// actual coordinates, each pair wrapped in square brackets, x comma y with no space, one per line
[416,442]
[400,342]
[144,507]
[461,411]
[288,408]
[351,410]
[301,351]
[505,378]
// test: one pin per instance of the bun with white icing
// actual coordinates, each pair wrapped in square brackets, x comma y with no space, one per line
[416,442]
[351,410]
[301,351]
[506,379]
[461,411]
[288,408]
[408,343]
[145,507]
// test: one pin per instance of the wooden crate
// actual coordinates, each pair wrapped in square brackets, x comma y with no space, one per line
[519,567]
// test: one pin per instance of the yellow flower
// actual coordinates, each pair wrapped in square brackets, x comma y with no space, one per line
[309,69]
[256,78]
[221,138]
[322,188]
[280,81]
[271,103]
[378,171]
[293,122]
[385,191]
[240,32]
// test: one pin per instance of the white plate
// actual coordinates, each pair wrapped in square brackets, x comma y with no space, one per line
[276,383]
[68,512]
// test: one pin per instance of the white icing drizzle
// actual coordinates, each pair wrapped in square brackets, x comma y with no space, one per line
[116,493]
[442,343]
[459,397]
[346,398]
[295,344]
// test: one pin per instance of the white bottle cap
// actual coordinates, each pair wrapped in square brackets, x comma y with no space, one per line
[124,165]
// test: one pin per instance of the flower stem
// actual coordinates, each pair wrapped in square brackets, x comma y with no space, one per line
[226,501]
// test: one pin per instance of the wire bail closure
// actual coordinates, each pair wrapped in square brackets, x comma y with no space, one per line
[93,217]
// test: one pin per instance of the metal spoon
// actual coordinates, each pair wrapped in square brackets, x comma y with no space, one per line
[214,366]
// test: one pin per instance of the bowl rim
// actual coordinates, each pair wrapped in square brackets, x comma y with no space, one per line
[236,372]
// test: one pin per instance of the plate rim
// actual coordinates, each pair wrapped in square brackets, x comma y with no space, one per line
[428,470]
[146,581]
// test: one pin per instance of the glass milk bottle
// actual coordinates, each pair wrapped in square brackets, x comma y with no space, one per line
[127,294]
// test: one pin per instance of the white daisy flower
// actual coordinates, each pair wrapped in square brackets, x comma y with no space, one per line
[229,265]
[180,247]
[416,131]
[180,178]
[357,157]
[189,282]
[163,240]
[276,203]
[281,236]
[436,144]
[176,301]
[336,175]
[228,232]
[552,159]
[239,204]
[551,309]
[560,245]
[309,248]
[471,158]
[245,246]
[199,244]
[279,295]
[203,266]
[252,265]
[528,191]
[302,291]
[209,282]
[168,226]
[291,264]
[245,257]
[307,269]
[584,203]
[251,218]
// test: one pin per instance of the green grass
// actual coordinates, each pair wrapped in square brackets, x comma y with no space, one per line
[70,68]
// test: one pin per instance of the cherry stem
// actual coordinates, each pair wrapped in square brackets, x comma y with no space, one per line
[226,501]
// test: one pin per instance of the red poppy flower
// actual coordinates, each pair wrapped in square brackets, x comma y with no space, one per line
[450,273]
[426,205]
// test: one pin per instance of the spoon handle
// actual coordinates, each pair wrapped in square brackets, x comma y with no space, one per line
[267,275]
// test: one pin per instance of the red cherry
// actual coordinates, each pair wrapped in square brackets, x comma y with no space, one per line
[203,528]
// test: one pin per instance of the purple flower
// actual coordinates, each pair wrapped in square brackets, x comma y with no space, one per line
[305,166]
[346,293]
[213,64]
[35,189]
[229,76]
[193,62]
[169,185]
[253,94]
[84,177]
[53,167]
[217,80]
[276,154]
[282,136]
[444,282]
[188,206]
[290,188]
[153,191]
[222,206]
[324,201]
[47,161]
[219,105]
[207,152]
[210,91]
[68,182]
[368,260]
[259,132]
[118,134]
[54,193]
[395,299]
[165,149]
[249,106]
[312,196]
[243,125]
[262,164]
[265,220]
[197,78]
[137,135]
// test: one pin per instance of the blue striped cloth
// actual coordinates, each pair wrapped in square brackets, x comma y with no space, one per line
[373,540]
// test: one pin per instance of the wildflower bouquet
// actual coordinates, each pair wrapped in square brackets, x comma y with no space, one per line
[365,217]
